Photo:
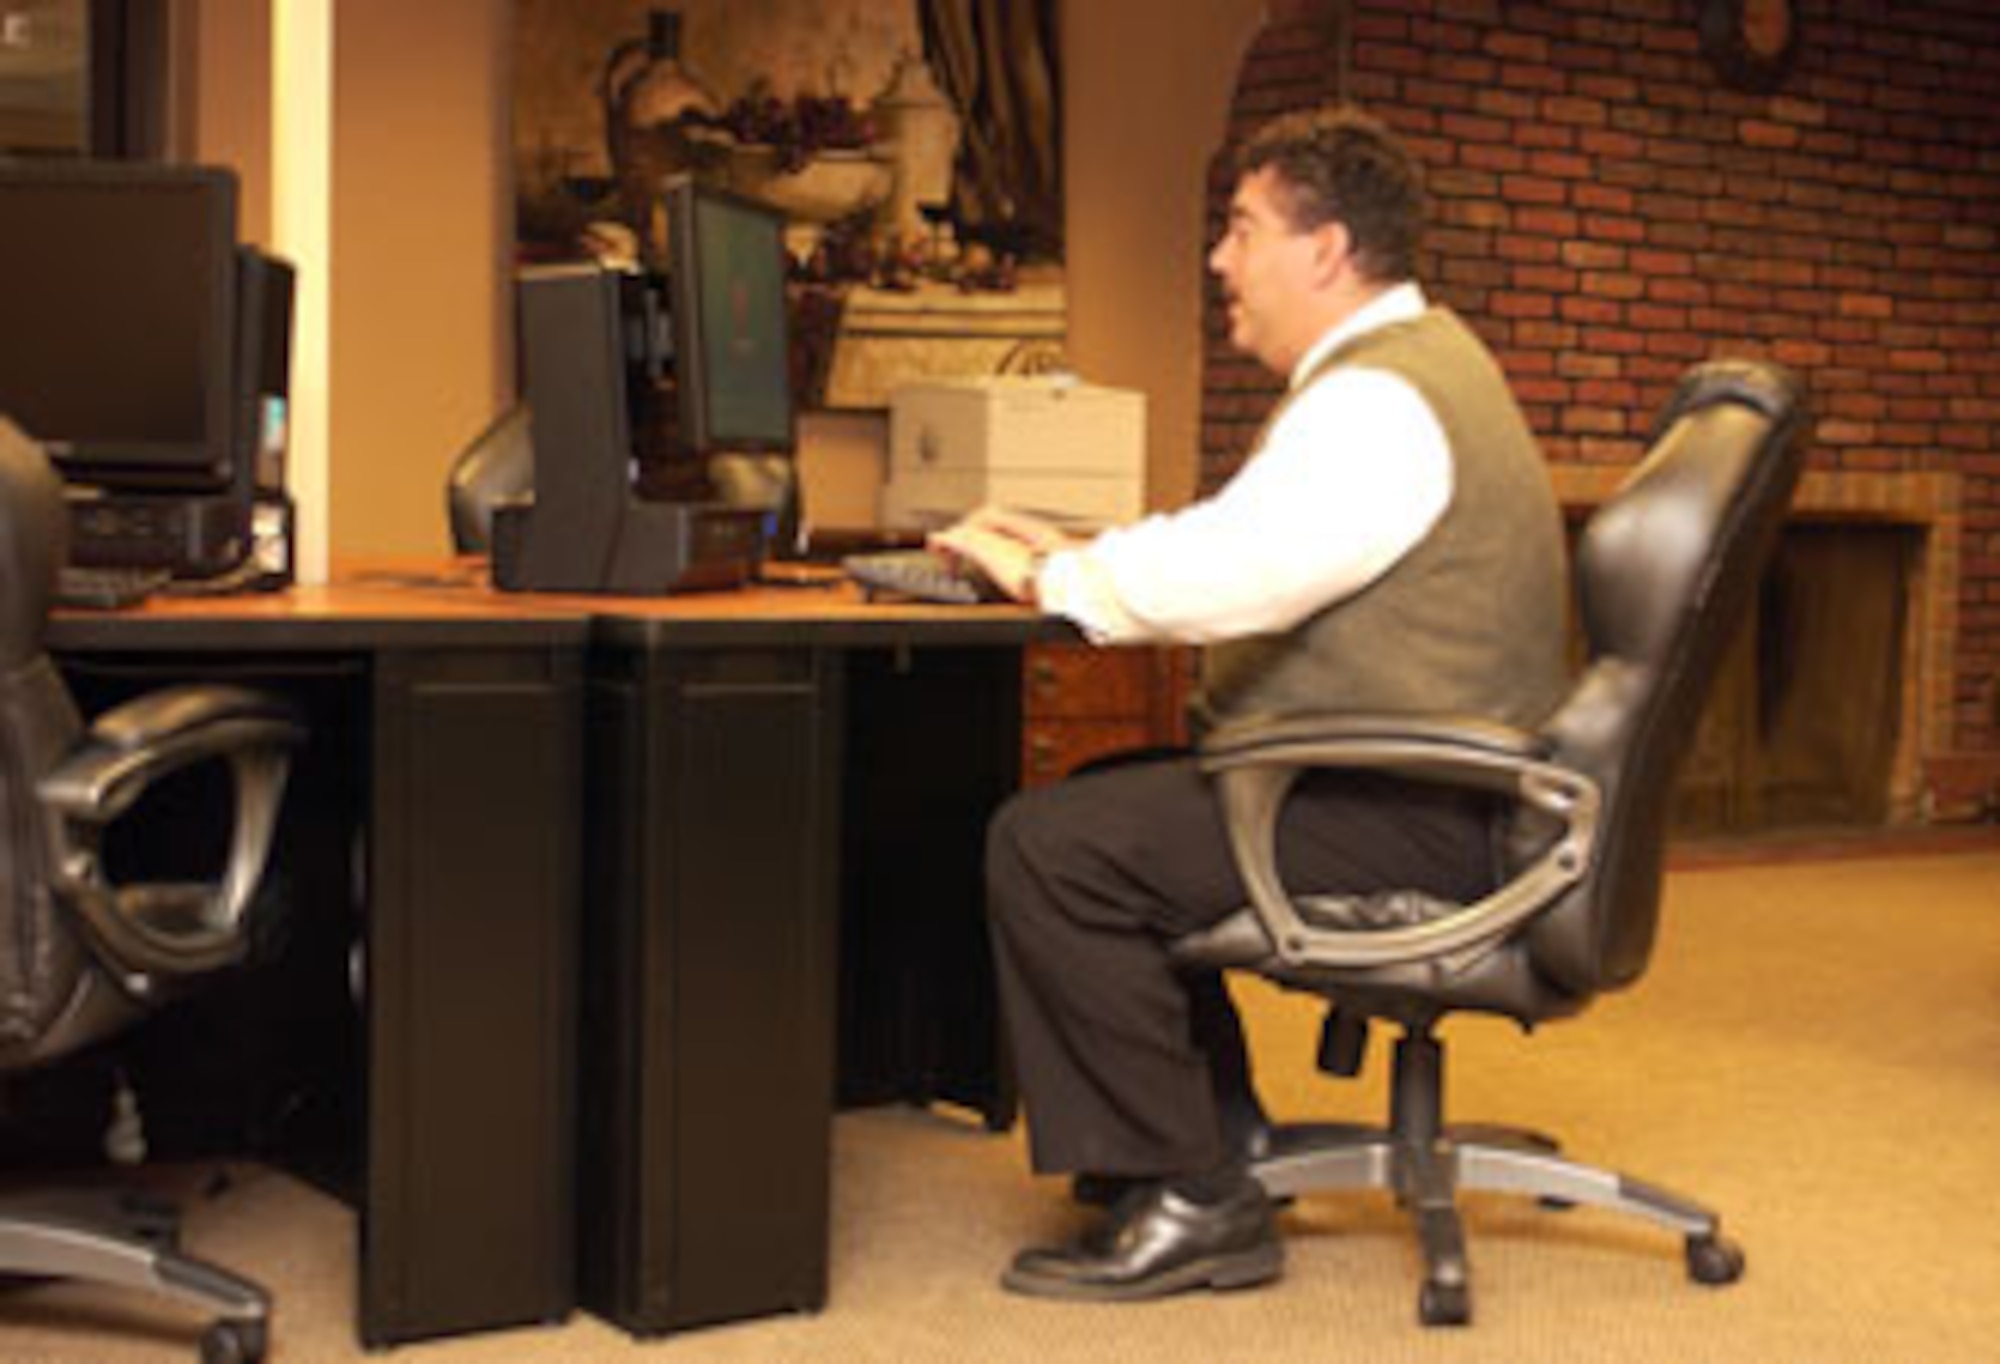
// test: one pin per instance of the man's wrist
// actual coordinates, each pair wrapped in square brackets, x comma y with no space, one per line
[1031,575]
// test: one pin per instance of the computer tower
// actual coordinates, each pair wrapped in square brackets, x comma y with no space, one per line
[573,378]
[261,427]
[587,529]
[264,290]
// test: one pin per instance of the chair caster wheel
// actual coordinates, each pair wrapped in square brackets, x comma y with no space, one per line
[234,1342]
[1714,1260]
[1444,1304]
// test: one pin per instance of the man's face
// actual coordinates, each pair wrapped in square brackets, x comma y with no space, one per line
[1267,267]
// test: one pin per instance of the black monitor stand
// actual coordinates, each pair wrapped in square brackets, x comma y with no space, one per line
[587,529]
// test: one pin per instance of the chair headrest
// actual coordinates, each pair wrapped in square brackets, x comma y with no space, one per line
[1757,384]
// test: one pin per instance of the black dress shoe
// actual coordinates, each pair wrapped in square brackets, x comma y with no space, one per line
[1157,1243]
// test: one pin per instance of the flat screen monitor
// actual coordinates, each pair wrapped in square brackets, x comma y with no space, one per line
[117,319]
[726,294]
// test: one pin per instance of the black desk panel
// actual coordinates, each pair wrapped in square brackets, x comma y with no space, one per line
[936,738]
[776,783]
[445,772]
[606,890]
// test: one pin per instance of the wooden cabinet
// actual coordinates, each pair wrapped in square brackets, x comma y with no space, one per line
[1080,702]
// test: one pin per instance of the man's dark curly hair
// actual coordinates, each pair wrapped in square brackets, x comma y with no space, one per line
[1336,163]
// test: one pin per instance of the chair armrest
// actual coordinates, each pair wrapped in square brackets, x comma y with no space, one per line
[1240,743]
[1255,768]
[146,933]
[132,745]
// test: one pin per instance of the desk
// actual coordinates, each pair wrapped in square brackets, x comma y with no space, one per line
[455,723]
[785,830]
[785,796]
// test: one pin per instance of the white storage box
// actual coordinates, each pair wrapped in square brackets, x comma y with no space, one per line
[1047,444]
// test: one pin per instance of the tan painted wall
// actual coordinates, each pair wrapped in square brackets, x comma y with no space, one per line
[423,236]
[422,242]
[230,99]
[1147,89]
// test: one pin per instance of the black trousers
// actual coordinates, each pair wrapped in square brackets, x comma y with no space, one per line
[1120,1057]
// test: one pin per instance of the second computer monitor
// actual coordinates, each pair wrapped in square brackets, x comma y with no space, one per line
[148,351]
[727,298]
[118,282]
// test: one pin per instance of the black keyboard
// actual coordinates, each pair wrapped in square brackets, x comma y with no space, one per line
[922,575]
[104,588]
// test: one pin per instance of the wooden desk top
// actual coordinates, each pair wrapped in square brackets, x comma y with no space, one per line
[829,611]
[343,615]
[448,603]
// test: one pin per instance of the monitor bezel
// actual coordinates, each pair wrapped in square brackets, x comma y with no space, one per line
[203,465]
[682,198]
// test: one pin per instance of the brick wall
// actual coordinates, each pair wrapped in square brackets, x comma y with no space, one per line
[1607,212]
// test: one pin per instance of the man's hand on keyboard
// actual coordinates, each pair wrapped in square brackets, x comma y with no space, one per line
[1007,546]
[1007,562]
[1038,533]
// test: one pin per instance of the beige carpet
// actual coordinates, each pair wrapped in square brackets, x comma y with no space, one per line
[1816,1052]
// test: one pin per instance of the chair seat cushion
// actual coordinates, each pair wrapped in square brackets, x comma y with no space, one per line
[1373,913]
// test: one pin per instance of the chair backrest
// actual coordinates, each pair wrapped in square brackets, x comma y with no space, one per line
[1666,571]
[33,544]
[46,971]
[498,467]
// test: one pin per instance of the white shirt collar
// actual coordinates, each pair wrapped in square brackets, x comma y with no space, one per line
[1397,303]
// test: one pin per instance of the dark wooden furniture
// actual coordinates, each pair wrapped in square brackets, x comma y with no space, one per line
[788,797]
[1082,702]
[433,830]
[749,824]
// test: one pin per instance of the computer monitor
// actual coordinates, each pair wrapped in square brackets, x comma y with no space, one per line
[117,353]
[643,390]
[726,297]
[149,352]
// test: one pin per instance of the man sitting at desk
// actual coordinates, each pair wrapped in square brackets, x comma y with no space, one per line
[1391,545]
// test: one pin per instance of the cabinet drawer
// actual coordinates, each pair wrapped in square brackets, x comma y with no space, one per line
[1065,680]
[1054,748]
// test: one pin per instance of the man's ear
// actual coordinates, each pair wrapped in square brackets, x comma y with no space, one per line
[1333,250]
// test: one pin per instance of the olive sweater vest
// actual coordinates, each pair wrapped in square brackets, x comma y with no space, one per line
[1470,621]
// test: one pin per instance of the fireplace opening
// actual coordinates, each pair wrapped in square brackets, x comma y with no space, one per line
[1803,729]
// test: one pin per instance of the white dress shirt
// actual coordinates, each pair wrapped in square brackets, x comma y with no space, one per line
[1351,477]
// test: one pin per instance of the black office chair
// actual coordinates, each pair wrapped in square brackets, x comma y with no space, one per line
[496,470]
[1665,571]
[82,955]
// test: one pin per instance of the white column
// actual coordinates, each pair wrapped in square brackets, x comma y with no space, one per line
[302,49]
